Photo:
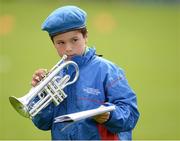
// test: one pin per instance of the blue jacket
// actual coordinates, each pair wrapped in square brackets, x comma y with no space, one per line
[99,81]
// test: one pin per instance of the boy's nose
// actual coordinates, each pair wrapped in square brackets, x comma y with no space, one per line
[68,48]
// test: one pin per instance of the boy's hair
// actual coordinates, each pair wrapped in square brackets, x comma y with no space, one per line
[83,30]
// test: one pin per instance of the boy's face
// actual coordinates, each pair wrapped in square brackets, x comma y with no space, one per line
[70,43]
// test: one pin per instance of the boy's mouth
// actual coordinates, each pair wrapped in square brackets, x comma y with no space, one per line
[69,57]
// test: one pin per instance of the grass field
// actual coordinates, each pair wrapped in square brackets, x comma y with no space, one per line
[141,38]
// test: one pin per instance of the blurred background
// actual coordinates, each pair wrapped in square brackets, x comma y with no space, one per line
[141,36]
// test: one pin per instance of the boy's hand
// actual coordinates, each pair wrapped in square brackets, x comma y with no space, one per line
[102,117]
[38,76]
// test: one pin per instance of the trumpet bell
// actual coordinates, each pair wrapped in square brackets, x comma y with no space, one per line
[19,106]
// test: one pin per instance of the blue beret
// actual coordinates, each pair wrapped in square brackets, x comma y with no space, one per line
[64,19]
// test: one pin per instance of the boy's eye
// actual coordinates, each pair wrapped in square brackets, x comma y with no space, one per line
[74,40]
[60,43]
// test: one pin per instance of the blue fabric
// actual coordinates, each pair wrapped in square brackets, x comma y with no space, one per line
[100,81]
[64,19]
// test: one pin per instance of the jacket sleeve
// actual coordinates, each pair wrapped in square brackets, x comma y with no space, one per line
[119,93]
[43,120]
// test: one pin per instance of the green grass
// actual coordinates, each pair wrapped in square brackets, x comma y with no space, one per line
[142,39]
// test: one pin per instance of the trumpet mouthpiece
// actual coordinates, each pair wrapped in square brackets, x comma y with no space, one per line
[64,57]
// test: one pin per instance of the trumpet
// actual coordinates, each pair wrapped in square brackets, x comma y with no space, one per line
[48,90]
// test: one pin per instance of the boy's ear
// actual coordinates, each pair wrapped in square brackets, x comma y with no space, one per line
[86,39]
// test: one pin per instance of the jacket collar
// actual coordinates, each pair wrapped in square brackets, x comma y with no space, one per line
[82,60]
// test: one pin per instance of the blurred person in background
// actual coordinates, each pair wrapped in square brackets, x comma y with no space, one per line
[100,81]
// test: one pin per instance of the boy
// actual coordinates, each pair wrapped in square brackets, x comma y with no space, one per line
[99,81]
